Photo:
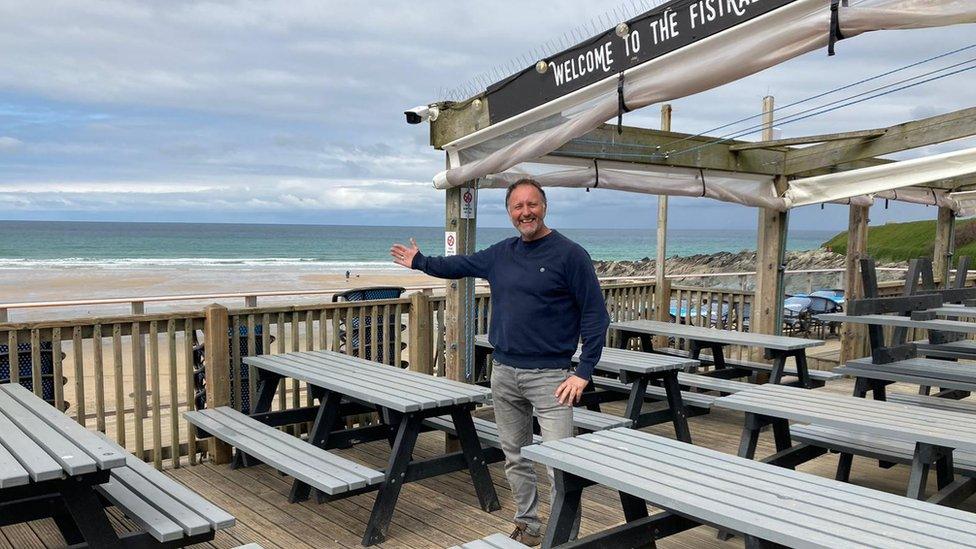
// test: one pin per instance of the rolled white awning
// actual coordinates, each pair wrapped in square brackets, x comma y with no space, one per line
[755,45]
[885,181]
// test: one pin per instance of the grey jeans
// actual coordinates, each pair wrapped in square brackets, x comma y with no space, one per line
[515,392]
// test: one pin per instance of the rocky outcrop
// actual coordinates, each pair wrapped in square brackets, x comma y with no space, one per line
[738,262]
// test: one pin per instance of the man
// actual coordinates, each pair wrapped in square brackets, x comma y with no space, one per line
[545,296]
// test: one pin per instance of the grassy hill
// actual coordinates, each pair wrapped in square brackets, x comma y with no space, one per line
[903,241]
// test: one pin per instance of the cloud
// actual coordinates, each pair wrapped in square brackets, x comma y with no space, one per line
[267,109]
[8,143]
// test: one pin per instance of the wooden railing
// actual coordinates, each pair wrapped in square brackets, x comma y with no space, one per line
[136,388]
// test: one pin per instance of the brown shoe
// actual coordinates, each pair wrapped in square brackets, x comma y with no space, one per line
[521,535]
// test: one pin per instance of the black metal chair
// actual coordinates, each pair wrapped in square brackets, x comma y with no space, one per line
[25,370]
[360,337]
[200,374]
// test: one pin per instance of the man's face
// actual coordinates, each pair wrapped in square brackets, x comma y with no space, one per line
[528,212]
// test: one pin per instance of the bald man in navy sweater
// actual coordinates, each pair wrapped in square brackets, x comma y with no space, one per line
[545,298]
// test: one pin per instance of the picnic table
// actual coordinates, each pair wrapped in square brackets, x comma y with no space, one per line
[638,370]
[777,348]
[925,372]
[50,466]
[934,433]
[346,385]
[770,506]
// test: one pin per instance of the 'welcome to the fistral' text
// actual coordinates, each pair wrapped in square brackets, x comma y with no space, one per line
[658,30]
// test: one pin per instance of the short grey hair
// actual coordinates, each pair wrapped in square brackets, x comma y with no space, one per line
[525,181]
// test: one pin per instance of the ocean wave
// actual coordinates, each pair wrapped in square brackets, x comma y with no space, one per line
[196,263]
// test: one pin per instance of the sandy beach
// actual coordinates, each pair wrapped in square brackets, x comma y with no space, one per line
[64,284]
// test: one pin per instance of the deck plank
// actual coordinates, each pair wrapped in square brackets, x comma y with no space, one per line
[433,509]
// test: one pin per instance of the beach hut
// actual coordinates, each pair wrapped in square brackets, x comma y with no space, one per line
[550,120]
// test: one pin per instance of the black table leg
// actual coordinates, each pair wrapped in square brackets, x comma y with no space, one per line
[779,363]
[88,514]
[396,472]
[634,507]
[921,462]
[679,416]
[569,490]
[750,435]
[802,371]
[318,436]
[267,388]
[475,459]
[635,401]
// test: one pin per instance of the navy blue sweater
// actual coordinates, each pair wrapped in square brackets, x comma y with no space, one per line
[544,297]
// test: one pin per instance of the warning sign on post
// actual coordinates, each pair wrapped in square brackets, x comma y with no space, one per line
[450,243]
[469,202]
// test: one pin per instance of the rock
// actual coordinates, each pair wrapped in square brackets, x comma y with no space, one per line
[743,262]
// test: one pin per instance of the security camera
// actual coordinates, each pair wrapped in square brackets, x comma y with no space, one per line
[419,114]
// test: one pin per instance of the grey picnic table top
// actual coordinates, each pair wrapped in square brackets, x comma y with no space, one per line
[958,326]
[923,371]
[386,386]
[621,360]
[712,335]
[890,419]
[788,507]
[38,443]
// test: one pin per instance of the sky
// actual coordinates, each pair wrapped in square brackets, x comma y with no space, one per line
[292,112]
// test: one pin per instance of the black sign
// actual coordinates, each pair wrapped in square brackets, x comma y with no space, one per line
[664,29]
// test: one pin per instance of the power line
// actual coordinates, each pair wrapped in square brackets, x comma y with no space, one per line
[822,109]
[828,92]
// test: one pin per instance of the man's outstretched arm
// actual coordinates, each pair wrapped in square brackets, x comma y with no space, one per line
[458,266]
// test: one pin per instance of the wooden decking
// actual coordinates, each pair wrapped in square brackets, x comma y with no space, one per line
[437,512]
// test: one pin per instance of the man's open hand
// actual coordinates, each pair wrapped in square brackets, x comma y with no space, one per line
[403,255]
[569,392]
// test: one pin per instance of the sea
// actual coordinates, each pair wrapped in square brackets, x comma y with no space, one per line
[324,248]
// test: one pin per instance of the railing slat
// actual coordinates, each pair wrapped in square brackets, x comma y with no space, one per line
[139,394]
[99,378]
[154,388]
[174,394]
[119,378]
[58,370]
[13,357]
[36,365]
[252,345]
[235,362]
[188,367]
[78,357]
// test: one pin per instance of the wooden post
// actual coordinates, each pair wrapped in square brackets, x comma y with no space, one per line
[944,246]
[459,301]
[852,336]
[218,371]
[420,336]
[767,308]
[662,289]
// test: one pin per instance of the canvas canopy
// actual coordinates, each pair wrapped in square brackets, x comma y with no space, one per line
[498,154]
[899,181]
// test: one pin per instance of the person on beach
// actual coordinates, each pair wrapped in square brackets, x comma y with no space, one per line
[545,297]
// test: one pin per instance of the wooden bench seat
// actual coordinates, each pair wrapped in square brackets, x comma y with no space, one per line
[928,401]
[325,471]
[698,400]
[920,371]
[494,541]
[164,508]
[697,485]
[820,376]
[487,430]
[709,383]
[872,446]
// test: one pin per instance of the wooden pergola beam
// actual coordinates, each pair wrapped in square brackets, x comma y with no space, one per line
[683,150]
[908,135]
[843,136]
